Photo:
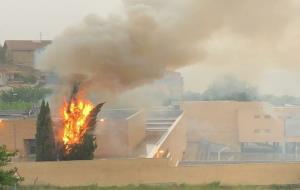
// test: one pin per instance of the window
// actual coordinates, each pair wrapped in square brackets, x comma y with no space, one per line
[30,146]
[267,116]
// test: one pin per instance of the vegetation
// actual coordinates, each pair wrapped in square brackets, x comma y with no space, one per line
[2,55]
[24,94]
[83,151]
[281,100]
[230,88]
[15,105]
[29,79]
[22,98]
[213,186]
[45,142]
[7,176]
[86,148]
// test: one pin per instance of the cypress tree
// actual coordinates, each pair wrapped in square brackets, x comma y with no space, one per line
[85,150]
[45,141]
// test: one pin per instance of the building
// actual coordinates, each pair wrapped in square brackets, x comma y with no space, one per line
[201,131]
[17,133]
[120,133]
[241,131]
[20,60]
[23,52]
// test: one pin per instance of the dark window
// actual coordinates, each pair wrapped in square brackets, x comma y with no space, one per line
[30,146]
[267,116]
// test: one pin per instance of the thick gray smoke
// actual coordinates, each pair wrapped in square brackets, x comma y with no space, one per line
[153,36]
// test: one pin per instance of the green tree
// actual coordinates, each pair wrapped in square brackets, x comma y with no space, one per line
[45,141]
[230,88]
[7,176]
[24,94]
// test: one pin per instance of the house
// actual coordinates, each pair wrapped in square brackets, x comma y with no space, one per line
[23,52]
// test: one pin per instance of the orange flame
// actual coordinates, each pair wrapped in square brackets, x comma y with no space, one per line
[75,115]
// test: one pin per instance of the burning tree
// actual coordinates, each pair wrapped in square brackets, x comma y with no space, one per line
[78,141]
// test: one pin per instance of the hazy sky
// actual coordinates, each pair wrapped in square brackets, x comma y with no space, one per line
[25,19]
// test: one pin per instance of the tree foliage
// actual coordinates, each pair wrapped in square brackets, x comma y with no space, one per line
[2,55]
[230,88]
[29,79]
[85,150]
[24,94]
[15,105]
[7,176]
[45,141]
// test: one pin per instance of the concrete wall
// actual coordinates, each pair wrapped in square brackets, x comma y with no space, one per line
[21,57]
[112,138]
[257,125]
[13,132]
[230,122]
[175,142]
[136,130]
[215,121]
[145,171]
[119,137]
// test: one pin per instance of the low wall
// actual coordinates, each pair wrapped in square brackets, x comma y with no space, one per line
[147,171]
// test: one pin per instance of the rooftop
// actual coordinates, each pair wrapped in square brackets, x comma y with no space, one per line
[25,45]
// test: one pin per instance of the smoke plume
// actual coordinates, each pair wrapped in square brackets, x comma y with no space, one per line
[123,52]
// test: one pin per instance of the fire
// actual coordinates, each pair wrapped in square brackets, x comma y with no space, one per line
[75,115]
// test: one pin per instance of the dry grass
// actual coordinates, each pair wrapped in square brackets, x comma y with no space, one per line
[212,186]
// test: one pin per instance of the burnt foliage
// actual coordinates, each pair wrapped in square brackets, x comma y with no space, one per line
[85,150]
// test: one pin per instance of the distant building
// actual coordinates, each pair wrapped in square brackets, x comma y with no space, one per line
[22,52]
[20,59]
[241,131]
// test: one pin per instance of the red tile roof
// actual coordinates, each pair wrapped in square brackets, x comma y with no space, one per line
[25,45]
